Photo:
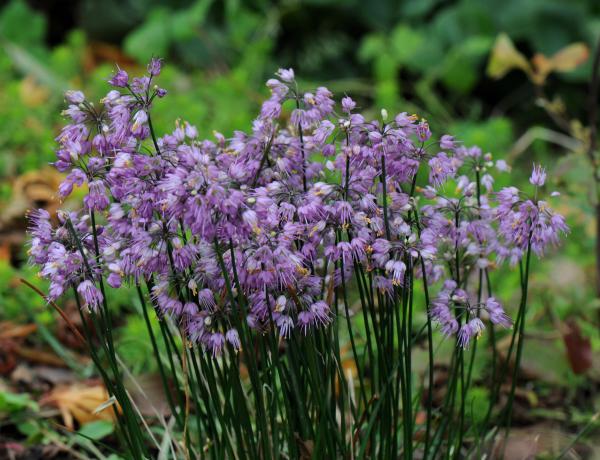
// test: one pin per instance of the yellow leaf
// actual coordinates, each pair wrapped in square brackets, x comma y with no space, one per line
[570,57]
[564,60]
[543,66]
[84,403]
[505,57]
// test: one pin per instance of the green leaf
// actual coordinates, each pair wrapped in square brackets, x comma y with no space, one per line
[405,42]
[22,25]
[28,428]
[493,135]
[152,38]
[460,70]
[184,23]
[477,403]
[13,402]
[96,430]
[371,46]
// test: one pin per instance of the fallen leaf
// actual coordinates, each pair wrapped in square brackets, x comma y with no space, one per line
[305,446]
[40,379]
[34,189]
[542,440]
[79,402]
[12,331]
[579,348]
[36,355]
[22,374]
[7,356]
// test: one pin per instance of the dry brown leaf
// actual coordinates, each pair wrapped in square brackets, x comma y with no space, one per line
[97,53]
[7,356]
[36,355]
[34,189]
[9,330]
[79,402]
[579,347]
[5,250]
[305,446]
[541,440]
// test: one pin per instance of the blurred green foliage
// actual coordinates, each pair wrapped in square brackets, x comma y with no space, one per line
[426,57]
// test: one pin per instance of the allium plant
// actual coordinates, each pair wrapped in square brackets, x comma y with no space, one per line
[281,265]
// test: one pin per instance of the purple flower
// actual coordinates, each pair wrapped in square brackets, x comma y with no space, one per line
[538,176]
[233,338]
[75,177]
[447,142]
[502,166]
[440,168]
[271,109]
[114,280]
[92,297]
[139,121]
[215,343]
[74,97]
[278,89]
[286,75]
[285,324]
[321,312]
[306,320]
[154,66]
[423,132]
[397,269]
[472,328]
[496,312]
[97,198]
[348,104]
[323,131]
[119,79]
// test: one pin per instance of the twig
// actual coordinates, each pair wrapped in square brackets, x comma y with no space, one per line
[57,308]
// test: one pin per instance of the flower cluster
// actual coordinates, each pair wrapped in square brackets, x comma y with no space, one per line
[267,224]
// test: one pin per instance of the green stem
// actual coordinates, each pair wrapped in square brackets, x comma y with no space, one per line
[521,339]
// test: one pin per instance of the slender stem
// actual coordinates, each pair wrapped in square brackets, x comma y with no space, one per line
[301,135]
[384,187]
[157,355]
[522,309]
[152,133]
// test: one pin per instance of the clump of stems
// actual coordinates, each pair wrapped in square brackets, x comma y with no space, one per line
[288,275]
